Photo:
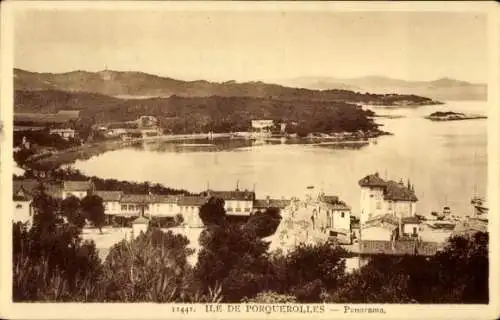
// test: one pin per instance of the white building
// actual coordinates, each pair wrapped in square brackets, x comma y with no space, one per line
[189,207]
[22,197]
[110,201]
[388,228]
[238,203]
[262,124]
[164,206]
[333,217]
[379,197]
[65,133]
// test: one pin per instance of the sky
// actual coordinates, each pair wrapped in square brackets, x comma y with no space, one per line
[251,46]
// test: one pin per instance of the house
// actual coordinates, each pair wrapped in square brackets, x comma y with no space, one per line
[264,204]
[237,202]
[333,216]
[388,227]
[111,201]
[135,205]
[189,207]
[379,197]
[23,193]
[164,205]
[66,133]
[79,189]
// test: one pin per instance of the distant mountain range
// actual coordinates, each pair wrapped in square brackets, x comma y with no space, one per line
[441,89]
[141,85]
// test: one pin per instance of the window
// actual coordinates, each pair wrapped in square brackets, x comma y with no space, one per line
[124,207]
[131,207]
[390,204]
[414,230]
[238,209]
[342,214]
[247,209]
[378,205]
[19,206]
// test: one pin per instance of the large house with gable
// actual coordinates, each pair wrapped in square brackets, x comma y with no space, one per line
[379,197]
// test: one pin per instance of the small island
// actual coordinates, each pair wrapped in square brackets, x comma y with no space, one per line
[452,116]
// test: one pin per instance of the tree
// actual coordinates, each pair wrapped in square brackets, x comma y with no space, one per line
[213,213]
[71,209]
[153,267]
[264,223]
[234,258]
[93,208]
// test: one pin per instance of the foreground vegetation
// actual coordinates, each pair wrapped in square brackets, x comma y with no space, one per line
[52,263]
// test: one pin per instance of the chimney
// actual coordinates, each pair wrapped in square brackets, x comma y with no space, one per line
[268,201]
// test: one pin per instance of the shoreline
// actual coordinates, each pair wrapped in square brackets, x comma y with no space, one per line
[86,151]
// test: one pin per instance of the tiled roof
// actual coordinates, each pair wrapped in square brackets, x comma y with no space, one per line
[372,180]
[271,203]
[192,201]
[397,192]
[392,190]
[109,195]
[25,189]
[386,218]
[399,247]
[136,198]
[77,185]
[329,199]
[233,195]
[160,198]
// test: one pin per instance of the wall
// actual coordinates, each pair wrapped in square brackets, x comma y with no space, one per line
[112,207]
[408,228]
[376,233]
[372,203]
[164,209]
[403,208]
[244,206]
[340,222]
[79,194]
[191,216]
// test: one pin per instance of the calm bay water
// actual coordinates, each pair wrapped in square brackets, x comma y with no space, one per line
[446,161]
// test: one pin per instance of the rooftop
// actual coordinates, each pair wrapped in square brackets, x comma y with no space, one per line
[399,247]
[233,195]
[271,203]
[109,195]
[394,191]
[192,201]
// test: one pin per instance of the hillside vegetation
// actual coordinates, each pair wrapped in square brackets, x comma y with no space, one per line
[201,114]
[139,84]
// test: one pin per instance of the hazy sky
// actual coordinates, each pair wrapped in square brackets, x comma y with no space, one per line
[256,46]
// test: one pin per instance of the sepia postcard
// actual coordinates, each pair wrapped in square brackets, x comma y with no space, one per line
[242,160]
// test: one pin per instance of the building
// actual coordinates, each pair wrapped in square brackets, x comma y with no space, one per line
[379,197]
[22,196]
[110,201]
[262,125]
[66,133]
[189,207]
[164,206]
[332,216]
[79,189]
[135,205]
[268,203]
[238,203]
[388,227]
